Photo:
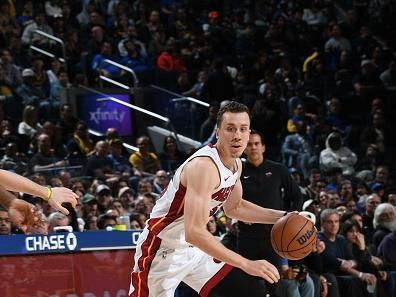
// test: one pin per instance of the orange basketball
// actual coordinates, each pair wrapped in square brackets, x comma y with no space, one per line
[293,236]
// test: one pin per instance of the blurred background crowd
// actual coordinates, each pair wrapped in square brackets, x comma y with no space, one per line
[319,78]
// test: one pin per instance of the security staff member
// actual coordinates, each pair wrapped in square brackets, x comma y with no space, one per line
[268,184]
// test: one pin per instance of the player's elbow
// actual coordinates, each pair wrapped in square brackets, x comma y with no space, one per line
[193,235]
[231,210]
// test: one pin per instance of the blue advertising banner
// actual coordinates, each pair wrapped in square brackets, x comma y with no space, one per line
[20,244]
[101,114]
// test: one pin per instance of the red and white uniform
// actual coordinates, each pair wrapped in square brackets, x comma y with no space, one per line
[163,258]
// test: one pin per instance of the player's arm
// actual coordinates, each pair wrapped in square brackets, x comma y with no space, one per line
[55,197]
[245,211]
[201,177]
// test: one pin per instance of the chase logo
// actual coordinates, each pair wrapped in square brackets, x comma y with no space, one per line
[56,242]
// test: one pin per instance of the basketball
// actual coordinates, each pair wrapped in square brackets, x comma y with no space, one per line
[293,236]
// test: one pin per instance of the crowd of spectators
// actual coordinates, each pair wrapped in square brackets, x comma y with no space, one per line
[318,76]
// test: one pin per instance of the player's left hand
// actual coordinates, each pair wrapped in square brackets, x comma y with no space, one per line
[27,217]
[61,195]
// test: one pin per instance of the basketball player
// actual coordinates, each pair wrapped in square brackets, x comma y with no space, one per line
[175,246]
[24,214]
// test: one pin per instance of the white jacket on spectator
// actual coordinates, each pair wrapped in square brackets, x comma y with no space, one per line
[336,155]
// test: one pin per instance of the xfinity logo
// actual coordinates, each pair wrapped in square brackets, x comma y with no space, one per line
[52,242]
[99,115]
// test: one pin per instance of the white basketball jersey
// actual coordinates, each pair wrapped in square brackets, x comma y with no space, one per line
[167,218]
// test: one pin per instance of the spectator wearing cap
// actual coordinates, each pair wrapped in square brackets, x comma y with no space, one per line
[29,94]
[89,206]
[337,156]
[104,197]
[127,197]
[379,189]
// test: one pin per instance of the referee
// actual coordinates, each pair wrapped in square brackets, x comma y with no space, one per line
[268,184]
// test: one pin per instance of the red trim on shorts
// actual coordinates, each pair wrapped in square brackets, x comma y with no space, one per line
[139,279]
[211,283]
[176,210]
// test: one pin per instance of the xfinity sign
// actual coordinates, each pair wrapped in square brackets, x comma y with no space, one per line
[101,113]
[55,242]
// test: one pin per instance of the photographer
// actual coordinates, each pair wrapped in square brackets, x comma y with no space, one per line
[295,280]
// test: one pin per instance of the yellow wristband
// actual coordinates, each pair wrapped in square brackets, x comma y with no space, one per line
[49,193]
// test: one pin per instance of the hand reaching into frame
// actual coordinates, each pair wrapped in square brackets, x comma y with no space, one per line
[61,195]
[27,217]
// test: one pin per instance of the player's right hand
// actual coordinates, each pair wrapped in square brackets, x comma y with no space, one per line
[61,195]
[264,269]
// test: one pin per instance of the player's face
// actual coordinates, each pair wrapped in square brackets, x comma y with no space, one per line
[233,133]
